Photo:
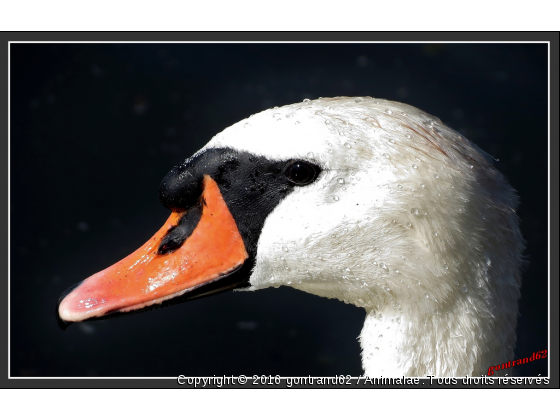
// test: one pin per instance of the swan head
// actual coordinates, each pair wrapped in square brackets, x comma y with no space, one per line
[405,212]
[369,201]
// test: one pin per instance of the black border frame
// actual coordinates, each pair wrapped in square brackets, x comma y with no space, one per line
[551,37]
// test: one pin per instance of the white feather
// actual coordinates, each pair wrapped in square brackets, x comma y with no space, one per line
[408,220]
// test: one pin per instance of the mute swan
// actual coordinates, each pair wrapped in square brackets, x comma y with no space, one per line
[369,201]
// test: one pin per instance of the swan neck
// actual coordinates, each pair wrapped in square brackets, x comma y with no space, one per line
[450,342]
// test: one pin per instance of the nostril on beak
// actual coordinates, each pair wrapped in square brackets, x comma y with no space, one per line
[177,235]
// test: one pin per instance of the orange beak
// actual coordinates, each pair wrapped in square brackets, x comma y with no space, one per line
[148,277]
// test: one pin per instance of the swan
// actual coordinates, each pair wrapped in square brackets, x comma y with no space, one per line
[369,201]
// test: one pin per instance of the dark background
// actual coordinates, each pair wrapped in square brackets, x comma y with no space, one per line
[95,127]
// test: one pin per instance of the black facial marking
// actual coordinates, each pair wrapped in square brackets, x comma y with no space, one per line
[252,186]
[178,234]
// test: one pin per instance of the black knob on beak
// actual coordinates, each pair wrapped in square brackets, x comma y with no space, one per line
[181,188]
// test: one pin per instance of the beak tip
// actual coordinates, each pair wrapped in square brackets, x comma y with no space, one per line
[62,323]
[61,312]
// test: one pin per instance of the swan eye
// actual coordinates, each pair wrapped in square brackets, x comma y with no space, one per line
[301,173]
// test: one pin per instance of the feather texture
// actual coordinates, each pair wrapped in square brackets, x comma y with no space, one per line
[408,220]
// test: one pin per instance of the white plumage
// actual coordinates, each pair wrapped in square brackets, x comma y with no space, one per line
[408,220]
